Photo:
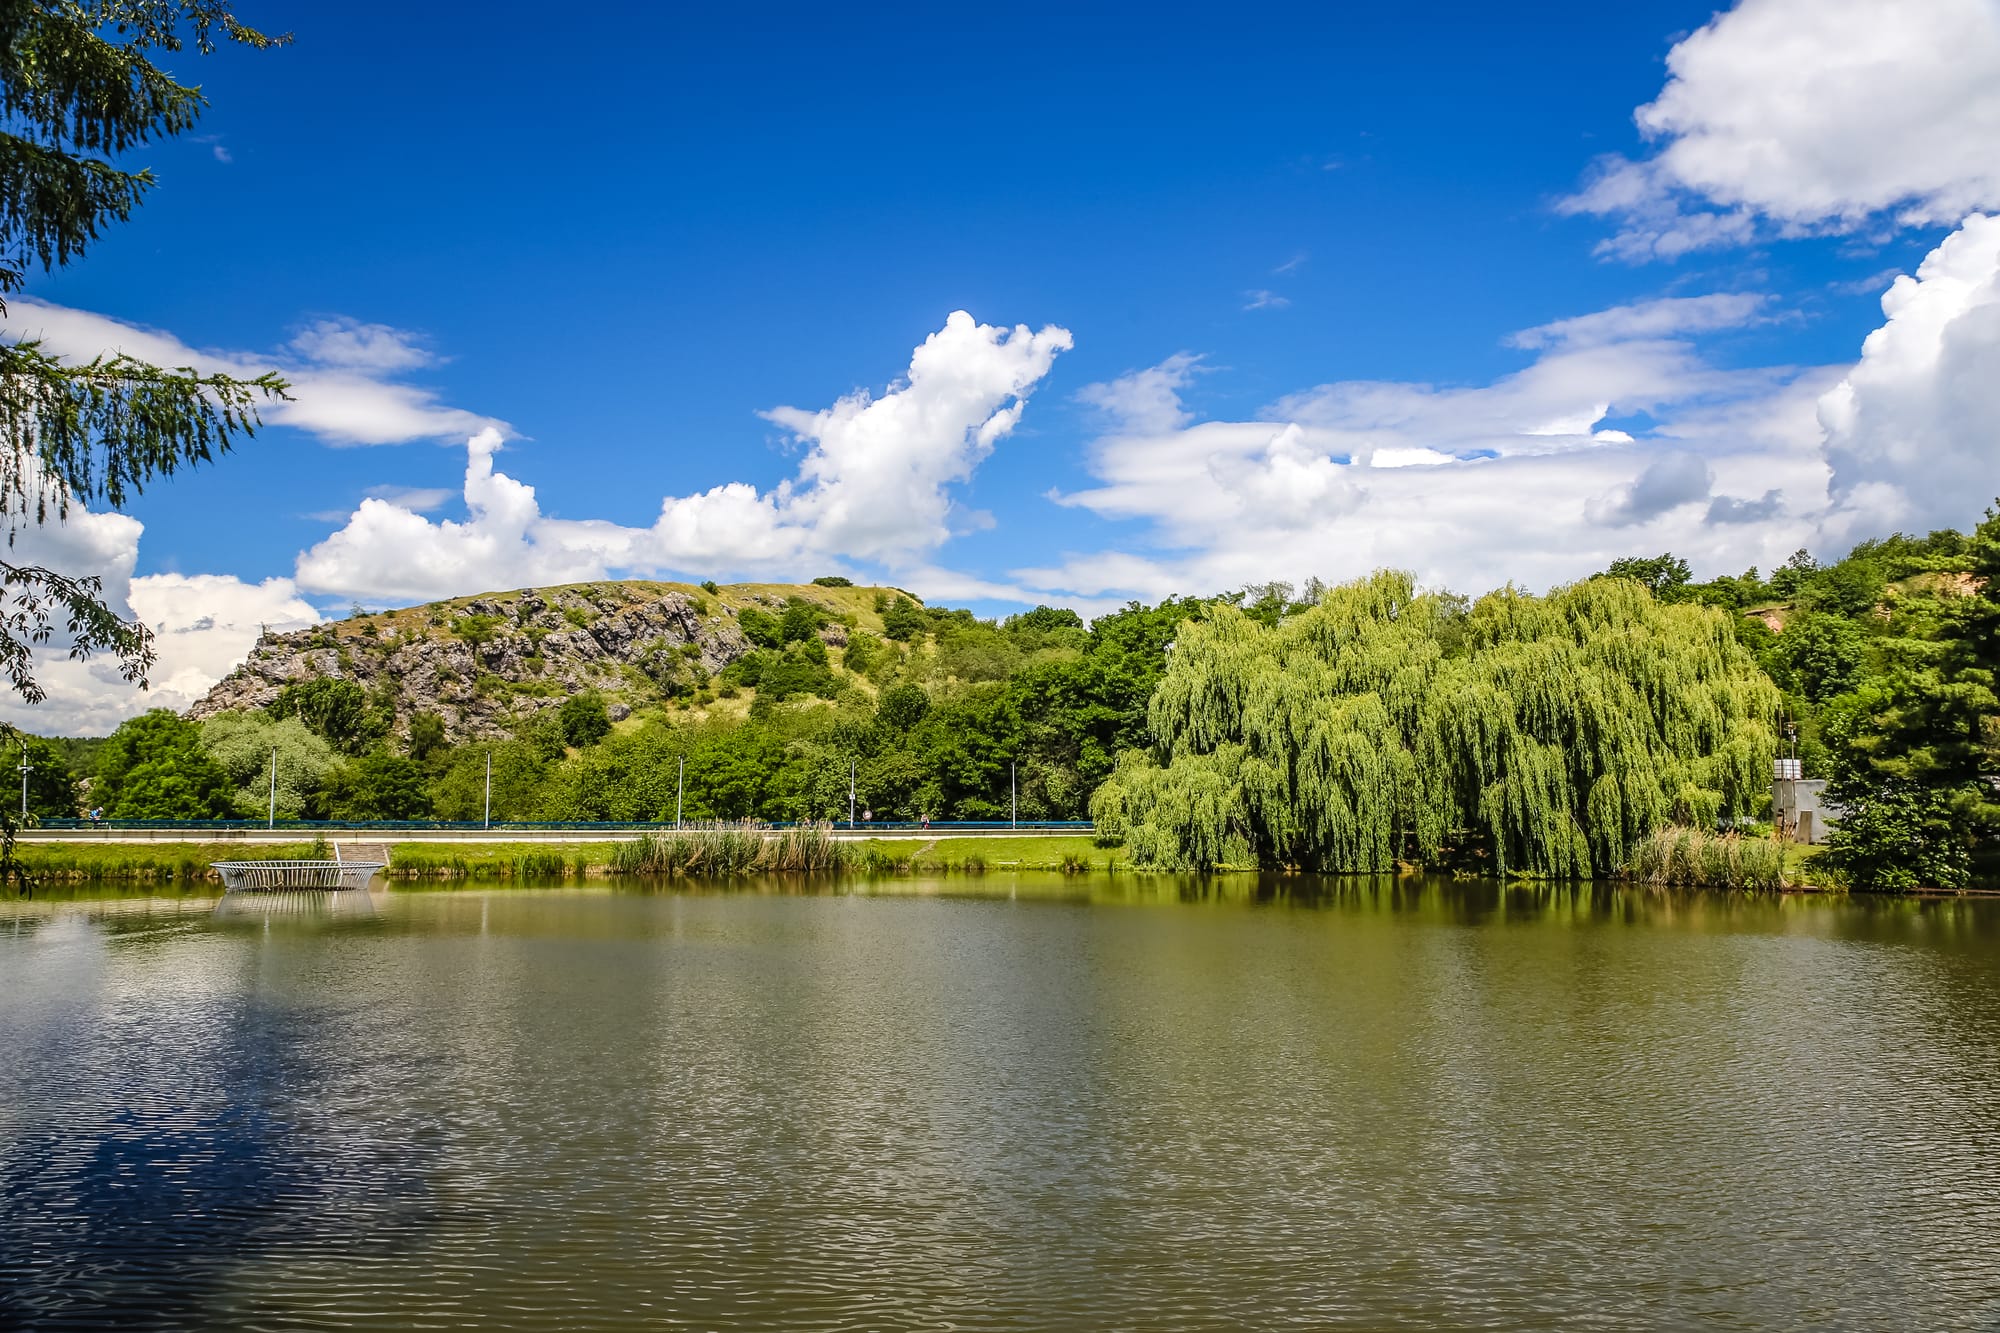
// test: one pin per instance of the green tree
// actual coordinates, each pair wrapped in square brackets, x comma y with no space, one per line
[1850,588]
[1894,836]
[1822,656]
[379,786]
[903,620]
[52,789]
[1917,749]
[801,620]
[1356,733]
[243,744]
[520,769]
[1787,578]
[862,652]
[1664,576]
[902,707]
[155,767]
[1043,620]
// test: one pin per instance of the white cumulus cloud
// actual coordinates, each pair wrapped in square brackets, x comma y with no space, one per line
[1913,431]
[1812,114]
[875,485]
[203,625]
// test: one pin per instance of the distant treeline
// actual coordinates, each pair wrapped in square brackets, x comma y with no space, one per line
[1345,728]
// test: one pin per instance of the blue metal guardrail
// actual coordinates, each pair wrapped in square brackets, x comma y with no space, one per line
[578,826]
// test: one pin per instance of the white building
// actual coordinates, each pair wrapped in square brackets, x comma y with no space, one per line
[1799,806]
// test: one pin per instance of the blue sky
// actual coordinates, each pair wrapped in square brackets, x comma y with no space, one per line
[622,240]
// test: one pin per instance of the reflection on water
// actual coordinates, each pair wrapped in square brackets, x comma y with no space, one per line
[1032,1102]
[296,905]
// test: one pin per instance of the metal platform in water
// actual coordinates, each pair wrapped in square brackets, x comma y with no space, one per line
[284,876]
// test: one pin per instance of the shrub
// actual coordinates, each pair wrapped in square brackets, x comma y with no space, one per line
[861,652]
[337,710]
[477,630]
[902,707]
[761,627]
[802,620]
[583,719]
[427,735]
[709,586]
[833,581]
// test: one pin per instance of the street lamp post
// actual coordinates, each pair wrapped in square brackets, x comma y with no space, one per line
[274,790]
[26,768]
[489,789]
[680,785]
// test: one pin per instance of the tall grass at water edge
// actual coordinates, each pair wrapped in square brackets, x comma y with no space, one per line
[731,849]
[1693,857]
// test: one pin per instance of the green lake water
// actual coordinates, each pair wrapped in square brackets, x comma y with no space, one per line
[1001,1103]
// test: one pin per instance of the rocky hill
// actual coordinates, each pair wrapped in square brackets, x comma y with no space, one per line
[485,663]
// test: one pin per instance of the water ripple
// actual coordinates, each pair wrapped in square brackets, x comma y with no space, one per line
[1448,1108]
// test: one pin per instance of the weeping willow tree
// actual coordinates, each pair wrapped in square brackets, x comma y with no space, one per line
[1545,735]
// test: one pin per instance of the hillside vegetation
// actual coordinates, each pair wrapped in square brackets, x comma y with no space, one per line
[593,700]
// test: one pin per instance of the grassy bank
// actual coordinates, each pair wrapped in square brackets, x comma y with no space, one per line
[1673,857]
[974,856]
[721,851]
[147,863]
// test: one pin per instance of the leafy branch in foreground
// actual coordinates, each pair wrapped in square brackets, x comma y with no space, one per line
[102,429]
[76,91]
[36,598]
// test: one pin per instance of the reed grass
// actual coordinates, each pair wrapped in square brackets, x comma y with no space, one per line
[1693,857]
[722,849]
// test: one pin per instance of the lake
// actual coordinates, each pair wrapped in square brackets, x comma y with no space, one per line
[1002,1103]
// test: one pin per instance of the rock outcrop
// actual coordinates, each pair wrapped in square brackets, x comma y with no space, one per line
[483,664]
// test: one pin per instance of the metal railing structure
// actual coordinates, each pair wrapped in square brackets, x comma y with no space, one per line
[276,876]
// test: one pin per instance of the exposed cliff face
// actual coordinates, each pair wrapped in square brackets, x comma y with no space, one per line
[485,663]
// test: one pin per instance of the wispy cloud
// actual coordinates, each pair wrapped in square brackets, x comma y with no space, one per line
[1260,299]
[353,345]
[340,372]
[1664,318]
[1293,264]
[1873,285]
[420,499]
